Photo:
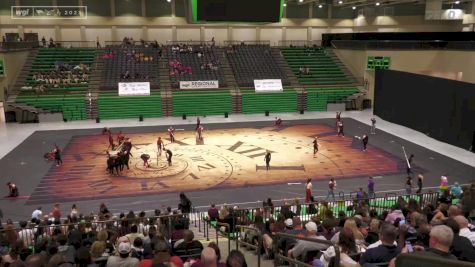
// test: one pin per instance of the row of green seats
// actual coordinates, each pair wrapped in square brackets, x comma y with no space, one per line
[199,103]
[253,102]
[113,106]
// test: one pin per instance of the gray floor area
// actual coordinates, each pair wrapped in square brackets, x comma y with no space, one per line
[24,164]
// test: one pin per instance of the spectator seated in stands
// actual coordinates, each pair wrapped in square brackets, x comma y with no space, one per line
[213,213]
[386,251]
[464,230]
[461,247]
[303,246]
[347,246]
[187,245]
[124,258]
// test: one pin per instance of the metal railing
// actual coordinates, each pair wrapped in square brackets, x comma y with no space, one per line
[278,257]
[190,42]
[241,240]
[403,44]
[72,44]
[300,43]
[236,42]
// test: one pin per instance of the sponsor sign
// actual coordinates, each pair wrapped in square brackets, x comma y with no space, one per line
[199,84]
[136,88]
[268,85]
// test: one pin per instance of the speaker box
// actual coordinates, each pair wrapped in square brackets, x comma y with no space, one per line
[226,114]
[301,111]
[267,113]
[141,118]
[183,116]
[98,120]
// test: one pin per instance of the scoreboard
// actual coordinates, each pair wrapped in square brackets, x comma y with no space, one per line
[236,10]
[49,12]
[380,63]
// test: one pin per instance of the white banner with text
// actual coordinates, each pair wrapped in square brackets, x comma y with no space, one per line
[268,85]
[199,84]
[134,88]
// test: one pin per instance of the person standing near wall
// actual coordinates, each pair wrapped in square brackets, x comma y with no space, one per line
[373,126]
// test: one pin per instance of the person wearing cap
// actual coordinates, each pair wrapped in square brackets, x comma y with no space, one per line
[302,246]
[292,227]
[124,259]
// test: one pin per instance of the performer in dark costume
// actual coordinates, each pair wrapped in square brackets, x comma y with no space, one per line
[171,133]
[145,158]
[160,146]
[315,146]
[169,155]
[278,121]
[57,156]
[267,159]
[111,141]
[340,128]
[198,123]
[13,189]
[365,141]
[409,166]
[338,118]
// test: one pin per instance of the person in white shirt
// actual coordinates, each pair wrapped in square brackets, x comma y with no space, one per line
[464,231]
[26,235]
[37,214]
[308,190]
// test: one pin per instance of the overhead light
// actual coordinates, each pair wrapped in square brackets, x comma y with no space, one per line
[377,3]
[354,8]
[457,2]
[285,4]
[320,6]
[300,1]
[340,2]
[169,1]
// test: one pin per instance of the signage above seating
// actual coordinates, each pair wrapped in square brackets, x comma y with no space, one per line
[199,85]
[134,89]
[268,85]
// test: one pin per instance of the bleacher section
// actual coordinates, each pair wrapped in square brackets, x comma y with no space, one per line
[199,103]
[251,62]
[210,54]
[123,60]
[253,102]
[323,70]
[112,106]
[72,105]
[318,98]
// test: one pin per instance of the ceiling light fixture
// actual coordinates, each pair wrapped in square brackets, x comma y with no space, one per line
[340,2]
[285,4]
[457,2]
[354,8]
[169,1]
[377,3]
[300,1]
[320,6]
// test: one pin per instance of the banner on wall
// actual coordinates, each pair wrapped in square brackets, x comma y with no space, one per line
[268,85]
[199,84]
[135,88]
[2,68]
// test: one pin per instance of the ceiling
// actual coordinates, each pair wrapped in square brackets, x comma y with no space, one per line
[362,3]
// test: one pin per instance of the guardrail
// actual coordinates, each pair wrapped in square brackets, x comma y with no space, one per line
[18,45]
[300,43]
[240,240]
[236,42]
[403,44]
[279,257]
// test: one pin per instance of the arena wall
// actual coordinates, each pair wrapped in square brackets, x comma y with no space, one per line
[13,61]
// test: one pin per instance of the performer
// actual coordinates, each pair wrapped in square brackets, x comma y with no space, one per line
[160,146]
[408,185]
[127,147]
[331,189]
[338,118]
[373,126]
[105,130]
[57,156]
[111,141]
[169,156]
[267,159]
[308,190]
[199,131]
[420,179]
[13,190]
[145,158]
[120,138]
[409,165]
[365,141]
[340,128]
[278,121]
[171,133]
[315,146]
[198,123]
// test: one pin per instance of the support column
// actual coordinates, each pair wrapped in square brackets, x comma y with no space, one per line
[433,9]
[329,11]
[80,2]
[82,34]
[174,35]
[309,34]
[284,34]
[112,5]
[173,8]
[310,10]
[21,31]
[202,34]
[258,33]
[230,33]
[145,33]
[54,2]
[142,4]
[57,33]
[114,36]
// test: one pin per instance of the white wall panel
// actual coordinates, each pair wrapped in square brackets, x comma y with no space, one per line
[70,34]
[104,34]
[244,34]
[296,34]
[135,33]
[162,35]
[220,34]
[274,35]
[317,33]
[188,34]
[46,32]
